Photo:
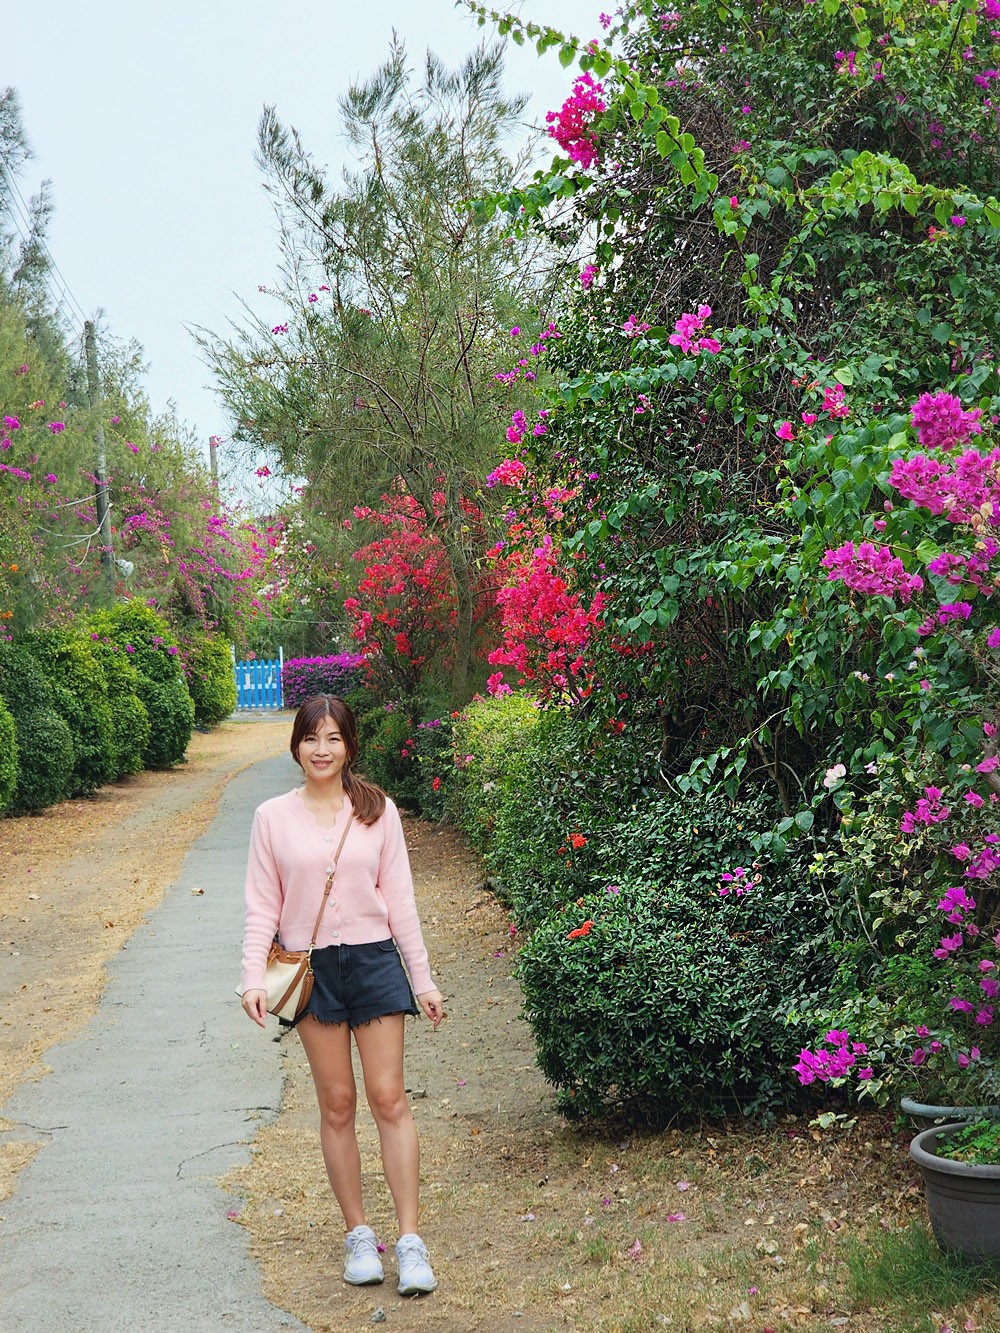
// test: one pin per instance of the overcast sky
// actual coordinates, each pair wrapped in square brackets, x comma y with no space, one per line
[144,118]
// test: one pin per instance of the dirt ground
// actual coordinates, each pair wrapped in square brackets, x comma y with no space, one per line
[533,1223]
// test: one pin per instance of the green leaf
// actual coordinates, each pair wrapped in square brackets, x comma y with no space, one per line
[844,375]
[567,54]
[804,820]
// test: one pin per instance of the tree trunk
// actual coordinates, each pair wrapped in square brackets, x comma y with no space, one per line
[451,536]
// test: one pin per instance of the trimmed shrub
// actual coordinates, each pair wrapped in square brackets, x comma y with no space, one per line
[660,1009]
[302,677]
[680,997]
[45,760]
[8,757]
[488,740]
[129,719]
[79,691]
[44,742]
[550,799]
[145,637]
[171,721]
[208,670]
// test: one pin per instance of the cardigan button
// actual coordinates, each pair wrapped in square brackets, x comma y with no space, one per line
[334,934]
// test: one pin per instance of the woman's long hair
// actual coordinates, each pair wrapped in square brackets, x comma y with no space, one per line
[367,799]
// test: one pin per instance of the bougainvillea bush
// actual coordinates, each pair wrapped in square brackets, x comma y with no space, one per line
[770,441]
[302,677]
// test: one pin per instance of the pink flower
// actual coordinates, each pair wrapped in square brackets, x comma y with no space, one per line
[941,422]
[572,125]
[872,570]
[496,687]
[587,276]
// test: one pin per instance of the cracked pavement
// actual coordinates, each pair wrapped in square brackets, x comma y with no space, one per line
[119,1223]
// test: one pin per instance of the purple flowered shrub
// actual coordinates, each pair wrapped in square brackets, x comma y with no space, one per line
[302,677]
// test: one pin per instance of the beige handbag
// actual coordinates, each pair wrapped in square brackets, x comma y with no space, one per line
[288,976]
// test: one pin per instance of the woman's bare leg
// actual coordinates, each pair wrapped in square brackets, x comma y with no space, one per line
[328,1047]
[380,1044]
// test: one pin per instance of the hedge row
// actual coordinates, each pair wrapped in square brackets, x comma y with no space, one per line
[647,990]
[81,706]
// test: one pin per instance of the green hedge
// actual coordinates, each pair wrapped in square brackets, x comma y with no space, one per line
[662,1010]
[45,754]
[8,757]
[146,639]
[386,737]
[79,691]
[550,797]
[208,671]
[678,1000]
[129,719]
[488,742]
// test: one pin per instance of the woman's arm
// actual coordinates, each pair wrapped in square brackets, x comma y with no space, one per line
[395,883]
[263,893]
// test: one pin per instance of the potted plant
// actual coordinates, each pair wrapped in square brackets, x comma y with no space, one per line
[960,1168]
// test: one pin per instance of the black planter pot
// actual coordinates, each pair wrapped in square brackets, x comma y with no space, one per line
[926,1114]
[963,1200]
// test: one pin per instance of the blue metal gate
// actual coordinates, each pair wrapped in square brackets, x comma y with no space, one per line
[258,684]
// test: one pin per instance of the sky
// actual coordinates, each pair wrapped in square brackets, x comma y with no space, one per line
[144,118]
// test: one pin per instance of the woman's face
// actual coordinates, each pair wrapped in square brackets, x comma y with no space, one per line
[322,752]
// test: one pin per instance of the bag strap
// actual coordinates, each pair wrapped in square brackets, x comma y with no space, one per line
[329,881]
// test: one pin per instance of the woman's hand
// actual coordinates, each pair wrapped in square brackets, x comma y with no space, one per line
[432,1003]
[255,1005]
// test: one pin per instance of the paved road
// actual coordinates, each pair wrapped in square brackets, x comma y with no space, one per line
[119,1223]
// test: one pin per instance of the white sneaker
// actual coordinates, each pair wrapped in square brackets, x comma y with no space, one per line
[362,1265]
[414,1268]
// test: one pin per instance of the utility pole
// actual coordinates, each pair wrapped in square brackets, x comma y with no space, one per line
[213,458]
[101,468]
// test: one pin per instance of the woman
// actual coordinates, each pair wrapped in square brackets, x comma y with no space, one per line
[359,983]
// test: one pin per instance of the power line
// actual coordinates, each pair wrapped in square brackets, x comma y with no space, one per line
[25,230]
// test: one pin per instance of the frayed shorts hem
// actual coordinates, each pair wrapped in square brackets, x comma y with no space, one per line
[358,983]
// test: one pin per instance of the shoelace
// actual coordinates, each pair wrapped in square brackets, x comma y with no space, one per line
[364,1245]
[413,1249]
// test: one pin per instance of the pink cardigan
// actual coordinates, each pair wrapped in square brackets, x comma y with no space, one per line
[372,896]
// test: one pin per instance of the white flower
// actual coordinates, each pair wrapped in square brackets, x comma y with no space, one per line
[833,775]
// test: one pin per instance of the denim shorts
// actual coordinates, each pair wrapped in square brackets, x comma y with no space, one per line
[356,983]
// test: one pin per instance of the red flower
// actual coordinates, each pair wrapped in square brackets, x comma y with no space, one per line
[585,929]
[578,840]
[436,783]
